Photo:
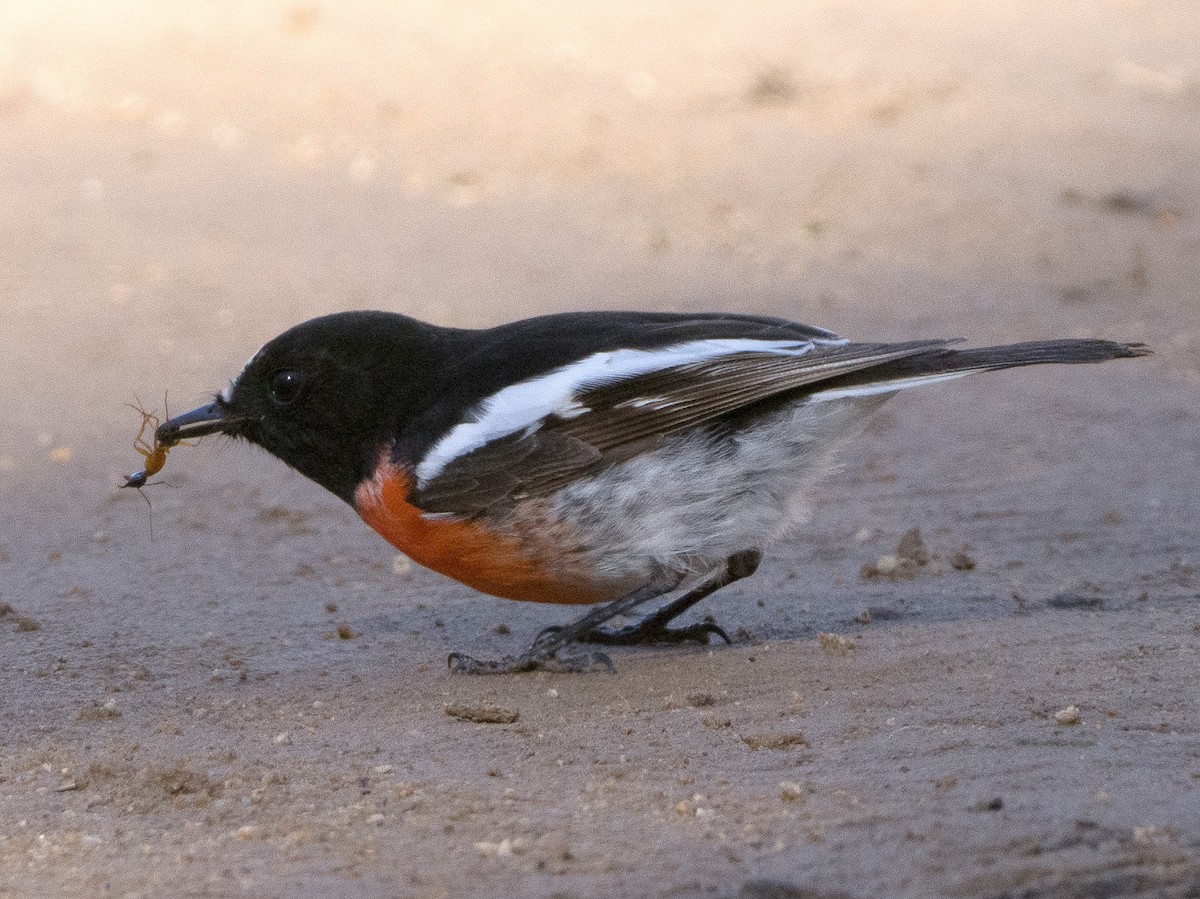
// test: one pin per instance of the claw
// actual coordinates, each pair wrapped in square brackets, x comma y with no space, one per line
[547,633]
[712,627]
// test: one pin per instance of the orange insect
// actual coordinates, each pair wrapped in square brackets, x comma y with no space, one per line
[152,451]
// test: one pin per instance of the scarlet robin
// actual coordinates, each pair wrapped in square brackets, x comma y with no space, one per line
[596,457]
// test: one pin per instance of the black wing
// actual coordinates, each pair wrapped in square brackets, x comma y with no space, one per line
[619,420]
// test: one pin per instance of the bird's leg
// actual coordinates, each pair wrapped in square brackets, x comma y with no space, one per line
[542,655]
[653,628]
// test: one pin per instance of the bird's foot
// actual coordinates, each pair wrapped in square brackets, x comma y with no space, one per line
[648,632]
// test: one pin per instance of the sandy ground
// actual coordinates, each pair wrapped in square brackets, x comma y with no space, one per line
[254,703]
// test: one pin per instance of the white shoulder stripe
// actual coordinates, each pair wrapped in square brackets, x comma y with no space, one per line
[524,405]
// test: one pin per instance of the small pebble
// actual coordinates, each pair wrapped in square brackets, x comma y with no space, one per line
[962,561]
[912,548]
[1070,715]
[505,848]
[791,791]
[795,740]
[887,565]
[836,644]
[482,714]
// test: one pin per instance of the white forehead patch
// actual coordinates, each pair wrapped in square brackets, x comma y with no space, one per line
[524,405]
[227,393]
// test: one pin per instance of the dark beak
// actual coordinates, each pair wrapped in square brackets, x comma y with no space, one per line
[200,422]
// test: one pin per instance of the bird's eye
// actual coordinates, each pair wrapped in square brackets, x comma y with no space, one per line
[286,387]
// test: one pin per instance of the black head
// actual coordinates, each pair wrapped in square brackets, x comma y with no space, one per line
[324,396]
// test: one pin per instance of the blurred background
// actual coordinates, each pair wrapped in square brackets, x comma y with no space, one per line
[182,181]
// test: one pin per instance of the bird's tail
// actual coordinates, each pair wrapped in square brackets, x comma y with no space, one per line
[943,364]
[1036,352]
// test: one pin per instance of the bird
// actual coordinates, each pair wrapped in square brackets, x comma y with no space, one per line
[619,460]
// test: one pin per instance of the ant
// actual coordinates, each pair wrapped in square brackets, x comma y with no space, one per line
[153,451]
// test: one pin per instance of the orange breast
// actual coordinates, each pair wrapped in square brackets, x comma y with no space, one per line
[508,560]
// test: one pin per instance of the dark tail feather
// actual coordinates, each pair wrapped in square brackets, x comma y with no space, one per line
[942,360]
[1037,352]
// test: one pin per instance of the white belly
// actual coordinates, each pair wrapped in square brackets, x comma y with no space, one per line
[693,502]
